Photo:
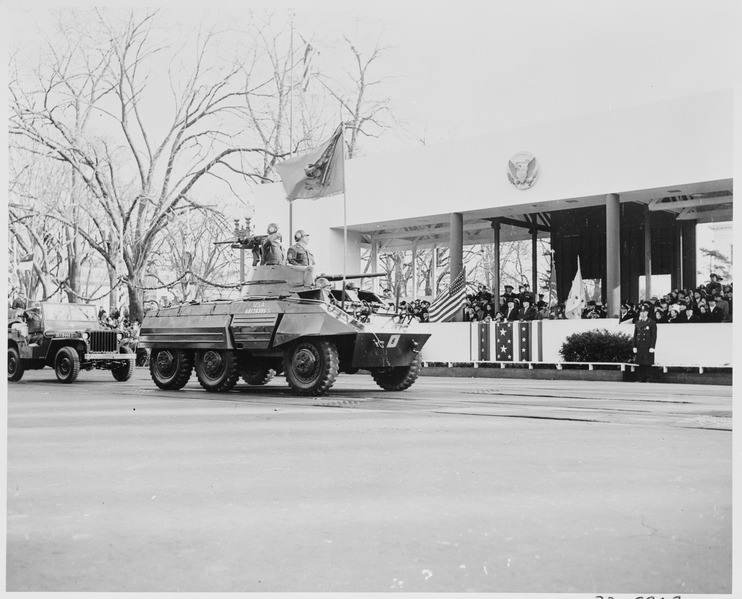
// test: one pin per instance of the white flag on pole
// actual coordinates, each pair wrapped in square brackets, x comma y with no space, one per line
[576,302]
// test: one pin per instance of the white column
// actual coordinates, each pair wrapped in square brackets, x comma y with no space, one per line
[414,272]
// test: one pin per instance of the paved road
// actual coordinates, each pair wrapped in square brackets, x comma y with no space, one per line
[488,485]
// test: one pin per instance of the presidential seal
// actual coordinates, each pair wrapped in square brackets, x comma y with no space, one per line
[522,170]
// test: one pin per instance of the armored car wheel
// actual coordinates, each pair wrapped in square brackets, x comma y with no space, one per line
[123,369]
[397,378]
[311,366]
[170,368]
[67,365]
[217,370]
[257,373]
[15,365]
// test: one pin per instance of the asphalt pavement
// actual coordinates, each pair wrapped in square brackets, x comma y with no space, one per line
[455,485]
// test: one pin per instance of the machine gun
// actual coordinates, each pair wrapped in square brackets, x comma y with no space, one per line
[245,240]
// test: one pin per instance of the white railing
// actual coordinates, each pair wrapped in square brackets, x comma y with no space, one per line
[696,345]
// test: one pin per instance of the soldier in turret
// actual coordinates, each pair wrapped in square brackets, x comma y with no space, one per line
[299,254]
[272,246]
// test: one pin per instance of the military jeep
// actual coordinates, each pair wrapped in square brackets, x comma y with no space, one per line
[66,337]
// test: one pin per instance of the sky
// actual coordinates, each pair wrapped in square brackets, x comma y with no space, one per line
[471,67]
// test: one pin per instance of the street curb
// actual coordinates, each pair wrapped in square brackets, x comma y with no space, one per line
[713,376]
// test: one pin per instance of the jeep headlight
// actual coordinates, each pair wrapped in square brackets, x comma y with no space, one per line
[119,336]
[85,336]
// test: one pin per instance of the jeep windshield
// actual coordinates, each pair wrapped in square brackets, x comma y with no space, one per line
[69,315]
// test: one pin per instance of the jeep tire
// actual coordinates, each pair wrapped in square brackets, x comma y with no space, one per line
[123,369]
[67,364]
[15,365]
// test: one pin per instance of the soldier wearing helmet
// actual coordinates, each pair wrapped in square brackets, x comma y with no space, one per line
[299,254]
[272,246]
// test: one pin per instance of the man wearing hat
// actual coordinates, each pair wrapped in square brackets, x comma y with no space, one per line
[506,297]
[272,246]
[299,254]
[512,312]
[714,285]
[645,338]
[524,292]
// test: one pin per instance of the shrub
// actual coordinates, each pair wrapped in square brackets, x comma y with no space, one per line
[597,346]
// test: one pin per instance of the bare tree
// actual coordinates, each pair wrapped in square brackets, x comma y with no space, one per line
[366,111]
[139,182]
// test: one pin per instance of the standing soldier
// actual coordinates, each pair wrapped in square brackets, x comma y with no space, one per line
[299,254]
[645,338]
[272,247]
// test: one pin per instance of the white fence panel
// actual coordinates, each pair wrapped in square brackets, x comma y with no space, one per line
[449,341]
[705,345]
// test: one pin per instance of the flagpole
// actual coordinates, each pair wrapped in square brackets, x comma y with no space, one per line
[291,119]
[345,205]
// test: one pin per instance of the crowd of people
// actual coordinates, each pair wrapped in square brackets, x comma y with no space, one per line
[711,302]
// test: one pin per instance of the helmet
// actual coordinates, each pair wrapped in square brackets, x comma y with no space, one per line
[272,228]
[300,234]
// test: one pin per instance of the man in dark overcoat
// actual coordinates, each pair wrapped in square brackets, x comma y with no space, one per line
[645,338]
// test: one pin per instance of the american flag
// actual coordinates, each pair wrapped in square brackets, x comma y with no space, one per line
[449,301]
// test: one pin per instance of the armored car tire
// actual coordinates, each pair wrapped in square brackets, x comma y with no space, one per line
[311,366]
[123,369]
[170,369]
[15,365]
[257,373]
[217,370]
[398,378]
[67,365]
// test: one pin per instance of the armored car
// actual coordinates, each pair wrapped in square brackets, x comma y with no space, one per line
[286,321]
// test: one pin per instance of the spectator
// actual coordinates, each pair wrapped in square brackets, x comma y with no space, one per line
[659,315]
[591,310]
[527,311]
[512,312]
[714,284]
[113,319]
[542,313]
[672,316]
[723,305]
[715,313]
[557,312]
[524,292]
[688,315]
[728,296]
[703,312]
[627,313]
[508,293]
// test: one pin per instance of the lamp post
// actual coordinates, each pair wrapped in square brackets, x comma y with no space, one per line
[241,234]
